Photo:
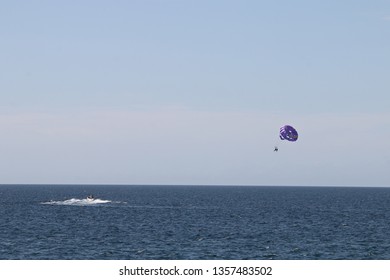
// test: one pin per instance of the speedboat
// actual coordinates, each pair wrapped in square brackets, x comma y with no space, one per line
[90,197]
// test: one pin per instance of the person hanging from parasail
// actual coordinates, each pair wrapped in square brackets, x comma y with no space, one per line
[287,132]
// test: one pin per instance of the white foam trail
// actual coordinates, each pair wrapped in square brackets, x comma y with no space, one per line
[78,202]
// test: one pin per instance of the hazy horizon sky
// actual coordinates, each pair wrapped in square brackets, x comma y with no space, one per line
[194,92]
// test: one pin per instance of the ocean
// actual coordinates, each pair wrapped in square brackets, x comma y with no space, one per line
[43,222]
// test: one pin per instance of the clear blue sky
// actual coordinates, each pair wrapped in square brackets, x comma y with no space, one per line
[194,92]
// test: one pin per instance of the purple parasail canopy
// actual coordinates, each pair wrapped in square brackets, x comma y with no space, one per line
[289,133]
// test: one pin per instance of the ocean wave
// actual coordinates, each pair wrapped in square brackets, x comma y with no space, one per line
[77,202]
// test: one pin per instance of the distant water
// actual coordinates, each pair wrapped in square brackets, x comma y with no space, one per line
[190,222]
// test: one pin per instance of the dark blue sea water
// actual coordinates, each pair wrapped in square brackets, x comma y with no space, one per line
[194,222]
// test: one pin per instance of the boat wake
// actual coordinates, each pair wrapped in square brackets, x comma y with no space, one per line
[78,202]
